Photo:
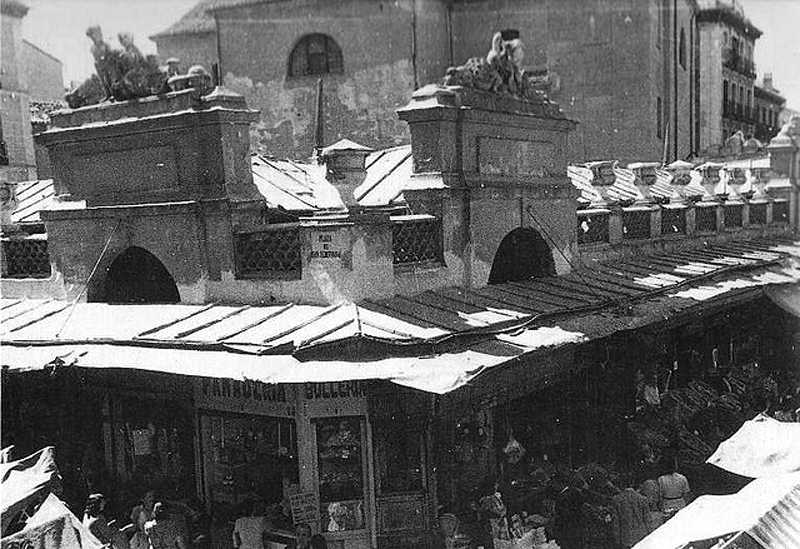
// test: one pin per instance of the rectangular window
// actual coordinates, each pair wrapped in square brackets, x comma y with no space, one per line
[246,458]
[269,253]
[706,219]
[340,463]
[635,224]
[592,227]
[673,221]
[758,214]
[780,211]
[659,118]
[416,240]
[26,258]
[733,215]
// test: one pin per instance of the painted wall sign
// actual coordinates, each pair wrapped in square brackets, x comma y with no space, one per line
[246,396]
[334,389]
[327,244]
[304,508]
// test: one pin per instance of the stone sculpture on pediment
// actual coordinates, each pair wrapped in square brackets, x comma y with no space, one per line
[500,72]
[122,74]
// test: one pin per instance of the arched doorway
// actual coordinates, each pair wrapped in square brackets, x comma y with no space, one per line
[137,276]
[522,254]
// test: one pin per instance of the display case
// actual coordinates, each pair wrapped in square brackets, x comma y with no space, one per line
[340,466]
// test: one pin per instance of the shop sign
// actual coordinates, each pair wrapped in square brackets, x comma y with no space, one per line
[245,396]
[304,508]
[334,389]
[326,245]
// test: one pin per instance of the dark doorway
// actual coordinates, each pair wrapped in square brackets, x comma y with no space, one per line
[137,276]
[522,254]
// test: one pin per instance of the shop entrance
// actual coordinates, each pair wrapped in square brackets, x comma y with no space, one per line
[137,276]
[522,254]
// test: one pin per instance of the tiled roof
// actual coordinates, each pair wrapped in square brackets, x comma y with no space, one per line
[32,198]
[198,20]
[436,341]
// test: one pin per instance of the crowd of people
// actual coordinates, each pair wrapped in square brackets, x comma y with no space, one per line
[578,509]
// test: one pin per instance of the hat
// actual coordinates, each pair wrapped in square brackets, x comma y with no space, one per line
[509,34]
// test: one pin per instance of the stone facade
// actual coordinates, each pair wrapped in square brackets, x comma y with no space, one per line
[768,104]
[727,40]
[44,73]
[18,157]
[610,67]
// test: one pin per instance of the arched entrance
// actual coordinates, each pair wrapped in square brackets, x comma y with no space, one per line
[522,254]
[137,276]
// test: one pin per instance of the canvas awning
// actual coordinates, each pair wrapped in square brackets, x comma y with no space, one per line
[24,480]
[761,447]
[53,526]
[787,299]
[437,341]
[767,509]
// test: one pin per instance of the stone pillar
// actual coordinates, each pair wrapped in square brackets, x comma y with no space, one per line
[503,159]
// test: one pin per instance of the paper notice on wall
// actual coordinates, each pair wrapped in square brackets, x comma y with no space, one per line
[304,508]
[142,442]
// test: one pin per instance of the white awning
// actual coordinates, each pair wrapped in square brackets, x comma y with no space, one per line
[761,447]
[767,509]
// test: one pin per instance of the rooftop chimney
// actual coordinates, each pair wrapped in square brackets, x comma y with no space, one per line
[345,163]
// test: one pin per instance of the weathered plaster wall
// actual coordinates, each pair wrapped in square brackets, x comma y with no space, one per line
[378,49]
[44,73]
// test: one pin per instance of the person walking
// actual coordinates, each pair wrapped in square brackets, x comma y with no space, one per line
[94,519]
[164,532]
[631,518]
[673,489]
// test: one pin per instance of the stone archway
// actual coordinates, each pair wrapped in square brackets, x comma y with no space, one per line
[137,276]
[522,254]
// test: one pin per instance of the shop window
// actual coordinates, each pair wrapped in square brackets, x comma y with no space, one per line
[398,458]
[247,458]
[780,211]
[706,219]
[315,54]
[340,463]
[592,227]
[758,214]
[635,224]
[673,221]
[733,216]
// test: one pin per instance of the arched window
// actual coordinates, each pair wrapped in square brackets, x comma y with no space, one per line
[315,54]
[682,49]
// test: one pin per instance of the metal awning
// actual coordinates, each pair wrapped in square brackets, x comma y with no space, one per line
[436,341]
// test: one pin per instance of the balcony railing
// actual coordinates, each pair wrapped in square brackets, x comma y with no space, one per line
[735,62]
[737,111]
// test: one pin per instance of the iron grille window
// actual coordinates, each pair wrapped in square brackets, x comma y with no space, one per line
[315,54]
[758,214]
[416,241]
[635,224]
[706,219]
[592,228]
[673,221]
[780,212]
[271,253]
[26,258]
[733,215]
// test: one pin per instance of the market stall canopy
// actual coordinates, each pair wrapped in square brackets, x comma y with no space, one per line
[761,447]
[53,526]
[767,509]
[787,299]
[437,341]
[24,480]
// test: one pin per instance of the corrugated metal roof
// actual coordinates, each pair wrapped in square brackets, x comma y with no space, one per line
[470,330]
[32,198]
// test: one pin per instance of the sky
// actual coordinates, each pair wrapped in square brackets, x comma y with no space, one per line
[58,27]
